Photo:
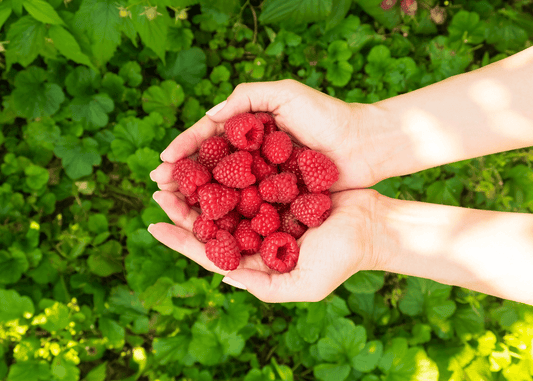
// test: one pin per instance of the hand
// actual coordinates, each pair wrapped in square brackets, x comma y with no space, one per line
[338,129]
[329,254]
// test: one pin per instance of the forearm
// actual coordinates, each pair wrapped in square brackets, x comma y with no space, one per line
[485,251]
[482,112]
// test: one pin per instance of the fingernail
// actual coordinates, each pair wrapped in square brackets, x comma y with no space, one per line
[161,156]
[154,196]
[152,176]
[216,109]
[233,283]
[150,227]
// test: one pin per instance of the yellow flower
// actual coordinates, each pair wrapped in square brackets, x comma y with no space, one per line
[150,13]
[123,12]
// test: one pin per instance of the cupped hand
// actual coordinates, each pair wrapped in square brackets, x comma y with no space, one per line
[314,119]
[329,254]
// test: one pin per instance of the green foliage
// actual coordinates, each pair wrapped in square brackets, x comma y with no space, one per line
[94,90]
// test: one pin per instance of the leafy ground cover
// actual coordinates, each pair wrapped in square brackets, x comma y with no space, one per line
[93,90]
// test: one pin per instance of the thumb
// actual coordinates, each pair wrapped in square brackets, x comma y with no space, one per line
[253,97]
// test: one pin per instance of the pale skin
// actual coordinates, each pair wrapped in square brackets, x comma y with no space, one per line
[470,115]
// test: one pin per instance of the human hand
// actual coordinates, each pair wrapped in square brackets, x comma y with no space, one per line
[338,129]
[329,254]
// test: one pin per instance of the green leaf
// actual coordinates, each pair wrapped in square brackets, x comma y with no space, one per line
[106,259]
[364,282]
[5,12]
[186,67]
[42,11]
[445,192]
[339,9]
[13,306]
[67,45]
[219,74]
[331,372]
[82,82]
[13,264]
[168,350]
[78,155]
[153,32]
[32,97]
[339,73]
[379,60]
[92,111]
[402,364]
[420,292]
[466,27]
[297,11]
[157,294]
[469,321]
[43,133]
[343,340]
[64,370]
[36,177]
[389,18]
[56,317]
[131,73]
[112,331]
[126,303]
[98,223]
[367,360]
[98,373]
[131,133]
[505,35]
[164,99]
[144,161]
[339,51]
[204,345]
[447,61]
[26,40]
[29,371]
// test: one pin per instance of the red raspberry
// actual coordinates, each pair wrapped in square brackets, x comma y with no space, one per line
[250,202]
[289,224]
[277,147]
[204,229]
[260,168]
[216,200]
[318,171]
[193,199]
[280,252]
[310,208]
[280,188]
[244,131]
[268,121]
[267,220]
[291,165]
[387,4]
[223,251]
[229,221]
[189,175]
[212,151]
[248,240]
[235,170]
[409,6]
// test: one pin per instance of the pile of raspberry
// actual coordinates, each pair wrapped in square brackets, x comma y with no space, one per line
[258,191]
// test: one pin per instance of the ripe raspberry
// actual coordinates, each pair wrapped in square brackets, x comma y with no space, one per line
[409,6]
[212,151]
[250,202]
[267,220]
[235,170]
[204,229]
[216,200]
[280,188]
[268,121]
[291,165]
[223,251]
[260,168]
[193,199]
[229,221]
[318,171]
[244,131]
[280,252]
[310,208]
[387,4]
[189,175]
[248,240]
[289,224]
[277,147]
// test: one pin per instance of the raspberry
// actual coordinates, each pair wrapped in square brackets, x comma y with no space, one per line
[260,168]
[223,251]
[289,224]
[280,252]
[310,208]
[248,240]
[387,4]
[244,131]
[250,202]
[409,6]
[267,220]
[277,147]
[280,188]
[268,122]
[318,171]
[212,151]
[193,199]
[216,200]
[235,170]
[291,165]
[229,221]
[204,229]
[189,175]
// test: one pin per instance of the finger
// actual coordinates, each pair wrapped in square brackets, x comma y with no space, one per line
[176,209]
[253,97]
[172,187]
[184,242]
[276,288]
[163,174]
[188,142]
